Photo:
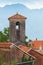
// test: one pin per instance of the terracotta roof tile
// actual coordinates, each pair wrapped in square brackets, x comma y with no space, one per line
[24,48]
[32,52]
[17,16]
[41,52]
[5,44]
[35,54]
[36,44]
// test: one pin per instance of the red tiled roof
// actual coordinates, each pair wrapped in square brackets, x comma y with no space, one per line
[24,48]
[35,54]
[32,52]
[36,44]
[5,44]
[17,16]
[41,52]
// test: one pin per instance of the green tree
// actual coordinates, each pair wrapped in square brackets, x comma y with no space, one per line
[14,63]
[30,40]
[24,58]
[26,38]
[29,43]
[5,63]
[4,36]
[6,33]
[26,43]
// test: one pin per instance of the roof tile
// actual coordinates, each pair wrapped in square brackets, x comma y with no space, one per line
[24,48]
[5,44]
[35,54]
[36,44]
[17,16]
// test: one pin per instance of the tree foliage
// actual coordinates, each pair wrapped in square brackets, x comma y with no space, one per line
[14,63]
[4,36]
[24,59]
[26,43]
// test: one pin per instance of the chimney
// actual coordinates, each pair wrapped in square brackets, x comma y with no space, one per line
[36,38]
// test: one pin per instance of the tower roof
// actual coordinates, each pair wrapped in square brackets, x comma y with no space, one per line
[17,16]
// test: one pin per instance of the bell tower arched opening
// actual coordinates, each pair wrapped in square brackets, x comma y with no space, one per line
[17,30]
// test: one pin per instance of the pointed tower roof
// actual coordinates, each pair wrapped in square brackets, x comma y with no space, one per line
[17,16]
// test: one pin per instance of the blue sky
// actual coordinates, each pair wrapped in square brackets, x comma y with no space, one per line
[35,17]
[32,4]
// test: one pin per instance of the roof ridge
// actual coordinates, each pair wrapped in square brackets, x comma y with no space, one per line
[37,52]
[17,16]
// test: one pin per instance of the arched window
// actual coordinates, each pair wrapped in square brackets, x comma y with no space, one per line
[18,30]
[17,25]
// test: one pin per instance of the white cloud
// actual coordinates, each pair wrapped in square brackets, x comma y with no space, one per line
[2,4]
[32,4]
[35,5]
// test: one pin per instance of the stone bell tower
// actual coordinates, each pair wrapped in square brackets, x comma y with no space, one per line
[17,28]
